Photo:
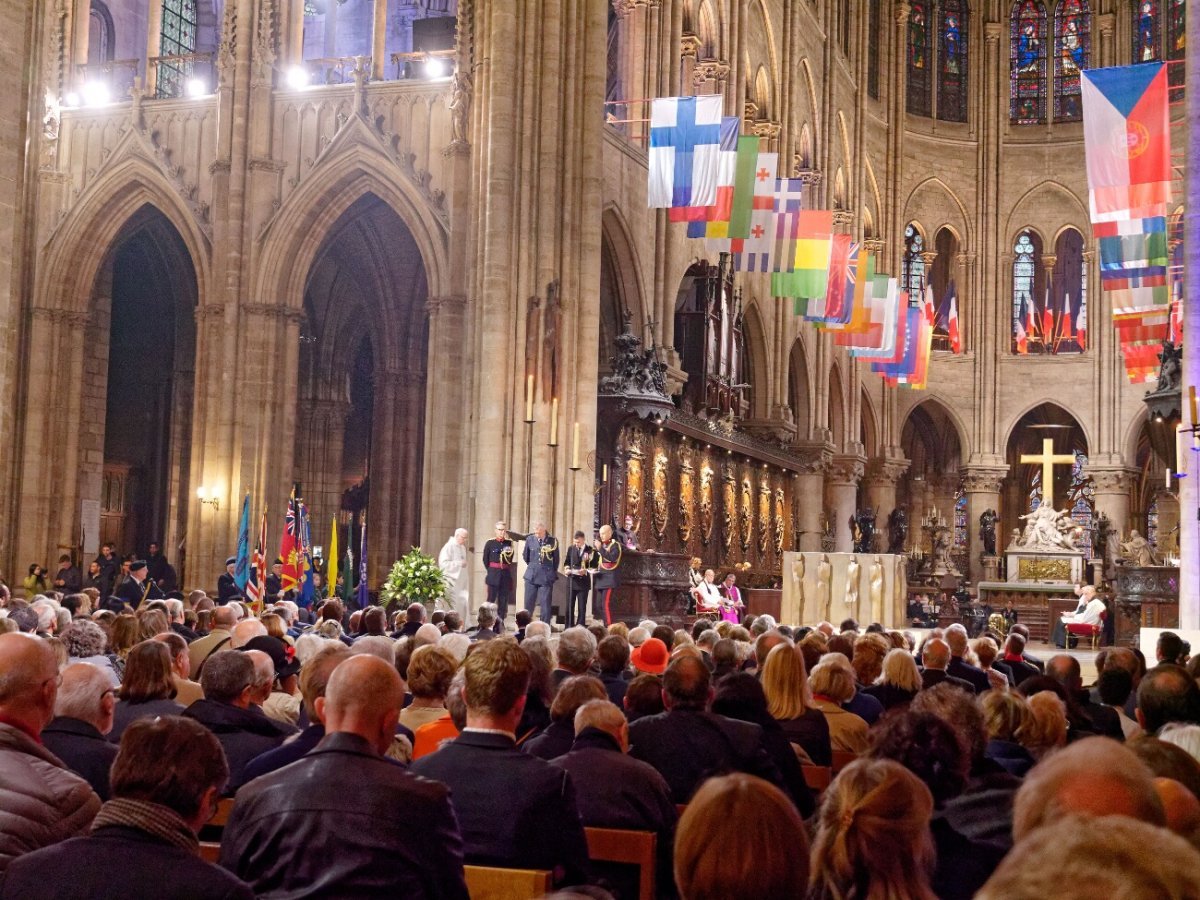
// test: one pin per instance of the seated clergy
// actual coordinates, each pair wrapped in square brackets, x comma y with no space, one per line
[709,599]
[345,821]
[1089,612]
[514,809]
[166,780]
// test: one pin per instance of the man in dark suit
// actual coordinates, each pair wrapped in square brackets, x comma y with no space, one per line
[579,562]
[956,637]
[83,715]
[485,629]
[1014,658]
[227,588]
[687,744]
[138,587]
[68,579]
[1023,631]
[936,657]
[384,832]
[1065,670]
[542,559]
[275,581]
[166,780]
[110,566]
[514,810]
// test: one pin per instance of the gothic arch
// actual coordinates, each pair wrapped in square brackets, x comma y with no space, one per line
[878,204]
[947,410]
[615,231]
[1014,420]
[1133,432]
[800,396]
[870,426]
[759,352]
[837,407]
[73,255]
[814,111]
[290,241]
[1052,204]
[921,204]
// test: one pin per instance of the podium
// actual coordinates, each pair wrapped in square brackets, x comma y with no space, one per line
[653,586]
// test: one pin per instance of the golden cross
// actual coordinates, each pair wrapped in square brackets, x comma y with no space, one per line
[1048,459]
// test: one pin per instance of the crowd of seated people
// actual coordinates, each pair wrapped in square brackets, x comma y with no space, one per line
[366,754]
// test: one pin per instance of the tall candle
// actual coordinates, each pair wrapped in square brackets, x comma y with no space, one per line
[1168,479]
[575,448]
[604,474]
[529,400]
[554,422]
[1192,399]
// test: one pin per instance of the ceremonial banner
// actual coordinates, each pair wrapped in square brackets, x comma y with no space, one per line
[331,574]
[1127,141]
[898,331]
[699,217]
[308,584]
[241,569]
[905,360]
[860,282]
[256,585]
[879,342]
[789,199]
[361,596]
[685,148]
[290,549]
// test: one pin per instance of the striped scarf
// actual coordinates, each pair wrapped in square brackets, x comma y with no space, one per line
[153,818]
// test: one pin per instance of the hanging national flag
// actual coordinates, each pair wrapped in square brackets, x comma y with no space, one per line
[699,217]
[927,304]
[918,378]
[789,203]
[332,573]
[1047,322]
[1081,328]
[241,569]
[347,594]
[952,320]
[879,340]
[835,308]
[362,597]
[685,146]
[809,273]
[255,586]
[753,252]
[896,329]
[860,283]
[1022,337]
[904,361]
[1127,141]
[289,547]
[1066,332]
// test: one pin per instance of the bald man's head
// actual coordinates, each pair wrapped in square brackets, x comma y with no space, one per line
[245,632]
[28,680]
[363,697]
[935,654]
[224,617]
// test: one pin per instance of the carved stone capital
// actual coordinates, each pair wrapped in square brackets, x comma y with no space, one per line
[810,177]
[902,11]
[1105,23]
[450,304]
[874,245]
[72,318]
[884,471]
[846,469]
[1112,479]
[266,310]
[842,220]
[689,45]
[992,32]
[709,70]
[929,256]
[983,479]
[209,311]
[766,128]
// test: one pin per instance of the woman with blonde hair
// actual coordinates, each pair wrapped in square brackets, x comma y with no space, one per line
[873,840]
[125,632]
[1007,717]
[789,701]
[898,681]
[1047,728]
[832,684]
[740,838]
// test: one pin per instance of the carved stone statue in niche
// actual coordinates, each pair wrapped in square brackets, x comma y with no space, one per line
[862,527]
[460,105]
[897,530]
[659,513]
[824,587]
[728,513]
[853,572]
[764,517]
[686,497]
[876,579]
[779,524]
[747,514]
[706,503]
[550,353]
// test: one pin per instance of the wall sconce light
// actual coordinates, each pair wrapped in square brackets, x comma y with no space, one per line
[209,496]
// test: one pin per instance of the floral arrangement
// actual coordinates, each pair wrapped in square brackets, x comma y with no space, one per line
[415,578]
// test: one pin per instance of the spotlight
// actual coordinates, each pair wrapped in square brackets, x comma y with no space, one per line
[71,99]
[434,67]
[297,78]
[196,87]
[95,93]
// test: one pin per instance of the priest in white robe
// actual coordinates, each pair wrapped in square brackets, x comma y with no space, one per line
[453,563]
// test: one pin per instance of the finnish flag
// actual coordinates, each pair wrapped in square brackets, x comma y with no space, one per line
[685,151]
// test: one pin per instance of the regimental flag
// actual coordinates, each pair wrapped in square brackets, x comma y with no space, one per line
[753,252]
[347,594]
[1127,141]
[361,596]
[241,569]
[952,319]
[290,550]
[700,217]
[685,147]
[308,584]
[331,575]
[256,585]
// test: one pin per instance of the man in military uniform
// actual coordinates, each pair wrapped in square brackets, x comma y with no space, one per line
[606,577]
[542,559]
[139,587]
[227,588]
[275,581]
[498,558]
[580,560]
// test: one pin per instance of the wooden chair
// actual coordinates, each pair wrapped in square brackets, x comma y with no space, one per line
[210,852]
[841,759]
[818,778]
[221,816]
[488,883]
[1095,632]
[635,848]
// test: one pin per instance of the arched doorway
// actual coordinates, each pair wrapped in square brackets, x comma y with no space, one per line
[362,382]
[138,387]
[930,441]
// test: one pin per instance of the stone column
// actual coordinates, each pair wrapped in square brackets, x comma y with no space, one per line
[810,489]
[982,487]
[1189,493]
[844,475]
[1114,484]
[882,474]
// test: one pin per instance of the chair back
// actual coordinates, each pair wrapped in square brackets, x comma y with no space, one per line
[841,759]
[210,852]
[636,848]
[221,816]
[818,778]
[493,883]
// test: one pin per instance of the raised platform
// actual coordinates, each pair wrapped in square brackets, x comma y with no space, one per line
[1037,605]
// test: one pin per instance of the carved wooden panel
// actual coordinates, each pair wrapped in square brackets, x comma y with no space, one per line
[659,499]
[633,485]
[746,514]
[687,496]
[706,501]
[779,521]
[728,509]
[764,515]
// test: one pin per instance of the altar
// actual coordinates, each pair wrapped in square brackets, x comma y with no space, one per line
[832,587]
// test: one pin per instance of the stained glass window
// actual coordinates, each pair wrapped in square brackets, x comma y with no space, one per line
[1146,29]
[960,518]
[178,38]
[912,266]
[1072,46]
[1027,66]
[920,78]
[952,61]
[874,28]
[1068,292]
[1176,28]
[1081,501]
[1027,280]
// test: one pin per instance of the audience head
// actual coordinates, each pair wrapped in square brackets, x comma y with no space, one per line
[961,711]
[83,639]
[1167,694]
[867,662]
[1006,715]
[1115,685]
[935,654]
[832,678]
[496,679]
[1065,670]
[644,697]
[572,694]
[652,657]
[314,677]
[148,673]
[1078,858]
[538,629]
[28,681]
[87,694]
[430,672]
[607,717]
[456,644]
[228,677]
[173,762]
[873,835]
[224,618]
[927,746]
[687,685]
[740,696]
[612,654]
[1169,648]
[576,650]
[1092,777]
[740,837]
[700,626]
[427,634]
[956,640]
[524,617]
[785,682]
[415,612]
[1047,727]
[244,632]
[664,633]
[620,629]
[363,697]
[900,670]
[638,636]
[486,616]
[1015,645]
[1167,761]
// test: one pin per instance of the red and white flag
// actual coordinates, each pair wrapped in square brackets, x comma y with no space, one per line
[952,321]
